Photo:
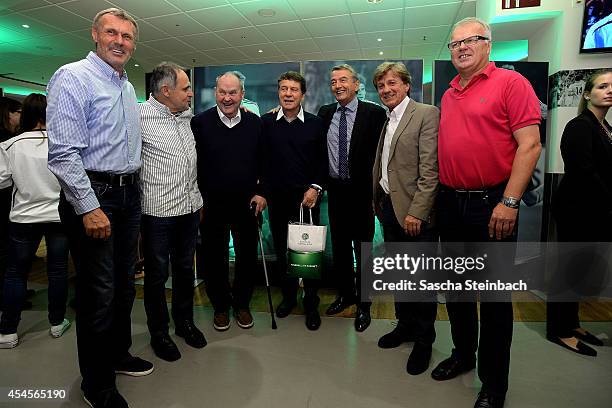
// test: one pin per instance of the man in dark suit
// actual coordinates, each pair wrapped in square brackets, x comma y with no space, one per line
[405,183]
[353,128]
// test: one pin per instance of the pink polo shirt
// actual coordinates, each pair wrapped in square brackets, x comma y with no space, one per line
[476,147]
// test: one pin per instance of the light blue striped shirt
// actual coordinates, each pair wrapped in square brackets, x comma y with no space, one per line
[93,123]
[332,135]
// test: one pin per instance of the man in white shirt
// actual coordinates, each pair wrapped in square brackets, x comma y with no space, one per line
[405,185]
[171,204]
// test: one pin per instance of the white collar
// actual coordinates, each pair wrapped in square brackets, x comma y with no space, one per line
[398,111]
[227,121]
[300,114]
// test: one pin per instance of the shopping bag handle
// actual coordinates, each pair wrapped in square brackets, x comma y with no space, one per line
[302,214]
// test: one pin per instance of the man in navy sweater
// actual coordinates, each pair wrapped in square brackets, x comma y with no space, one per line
[296,150]
[228,143]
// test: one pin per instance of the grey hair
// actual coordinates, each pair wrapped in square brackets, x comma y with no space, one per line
[117,13]
[237,74]
[164,74]
[470,20]
[346,67]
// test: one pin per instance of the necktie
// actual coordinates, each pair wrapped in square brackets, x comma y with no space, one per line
[343,171]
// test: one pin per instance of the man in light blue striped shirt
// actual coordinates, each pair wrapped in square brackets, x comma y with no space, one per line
[94,150]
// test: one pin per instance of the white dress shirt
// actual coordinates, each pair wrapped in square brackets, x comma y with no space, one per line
[281,114]
[230,123]
[394,118]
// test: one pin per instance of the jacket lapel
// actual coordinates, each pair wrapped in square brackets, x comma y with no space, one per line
[404,121]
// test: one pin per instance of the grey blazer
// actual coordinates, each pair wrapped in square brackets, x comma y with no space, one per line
[413,164]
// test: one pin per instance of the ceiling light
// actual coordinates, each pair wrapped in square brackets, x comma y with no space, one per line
[136,65]
[380,53]
[375,1]
[379,39]
[266,12]
[25,26]
[259,50]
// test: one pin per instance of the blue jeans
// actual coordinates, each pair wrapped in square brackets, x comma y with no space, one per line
[23,242]
[104,283]
[165,240]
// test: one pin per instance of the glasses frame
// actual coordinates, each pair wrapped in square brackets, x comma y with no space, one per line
[453,45]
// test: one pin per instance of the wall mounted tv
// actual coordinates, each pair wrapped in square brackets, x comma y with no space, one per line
[597,26]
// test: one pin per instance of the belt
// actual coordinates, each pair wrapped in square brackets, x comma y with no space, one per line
[480,193]
[113,179]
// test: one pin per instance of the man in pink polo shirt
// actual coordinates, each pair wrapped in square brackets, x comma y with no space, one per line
[488,147]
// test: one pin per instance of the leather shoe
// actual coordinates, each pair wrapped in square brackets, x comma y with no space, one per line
[313,320]
[109,399]
[285,307]
[362,319]
[338,305]
[450,368]
[486,400]
[192,335]
[419,359]
[588,338]
[165,348]
[581,348]
[395,338]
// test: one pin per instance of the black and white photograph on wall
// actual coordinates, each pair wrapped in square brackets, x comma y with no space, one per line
[260,84]
[317,74]
[530,221]
[566,87]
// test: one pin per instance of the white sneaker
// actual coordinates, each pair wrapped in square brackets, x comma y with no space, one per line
[57,331]
[8,341]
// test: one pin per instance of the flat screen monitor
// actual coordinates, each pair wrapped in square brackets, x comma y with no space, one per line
[597,27]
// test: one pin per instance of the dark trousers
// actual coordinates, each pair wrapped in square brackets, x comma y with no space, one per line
[24,239]
[351,222]
[464,218]
[284,207]
[168,240]
[416,317]
[562,317]
[5,209]
[232,215]
[104,283]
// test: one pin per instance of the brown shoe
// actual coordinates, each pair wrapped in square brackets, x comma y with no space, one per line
[221,322]
[244,318]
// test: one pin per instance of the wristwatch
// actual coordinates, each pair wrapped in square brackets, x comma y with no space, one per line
[317,188]
[511,202]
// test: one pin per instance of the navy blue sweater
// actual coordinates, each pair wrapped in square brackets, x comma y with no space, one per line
[230,160]
[296,152]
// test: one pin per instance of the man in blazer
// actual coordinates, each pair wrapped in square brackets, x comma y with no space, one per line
[353,128]
[405,181]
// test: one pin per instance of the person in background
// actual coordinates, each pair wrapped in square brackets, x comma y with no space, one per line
[34,214]
[10,112]
[586,188]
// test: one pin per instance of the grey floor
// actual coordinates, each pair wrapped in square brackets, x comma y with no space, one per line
[292,367]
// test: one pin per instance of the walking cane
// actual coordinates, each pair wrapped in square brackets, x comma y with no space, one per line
[259,220]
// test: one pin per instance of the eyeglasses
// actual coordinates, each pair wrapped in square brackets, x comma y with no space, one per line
[467,41]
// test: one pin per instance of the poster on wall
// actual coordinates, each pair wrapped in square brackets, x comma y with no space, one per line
[530,220]
[566,87]
[261,91]
[317,75]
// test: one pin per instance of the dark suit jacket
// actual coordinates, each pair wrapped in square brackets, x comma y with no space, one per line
[413,163]
[369,121]
[584,196]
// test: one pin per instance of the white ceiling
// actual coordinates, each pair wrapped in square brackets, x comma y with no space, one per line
[218,32]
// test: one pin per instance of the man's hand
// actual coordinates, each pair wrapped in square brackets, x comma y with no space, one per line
[502,221]
[260,203]
[412,225]
[310,198]
[275,109]
[96,224]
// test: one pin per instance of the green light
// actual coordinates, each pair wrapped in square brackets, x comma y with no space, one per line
[524,17]
[509,50]
[20,90]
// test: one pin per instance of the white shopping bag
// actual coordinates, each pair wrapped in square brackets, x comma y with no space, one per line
[303,237]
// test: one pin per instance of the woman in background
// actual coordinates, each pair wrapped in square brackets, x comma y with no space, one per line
[582,205]
[35,198]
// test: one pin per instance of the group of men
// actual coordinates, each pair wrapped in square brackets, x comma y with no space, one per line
[158,169]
